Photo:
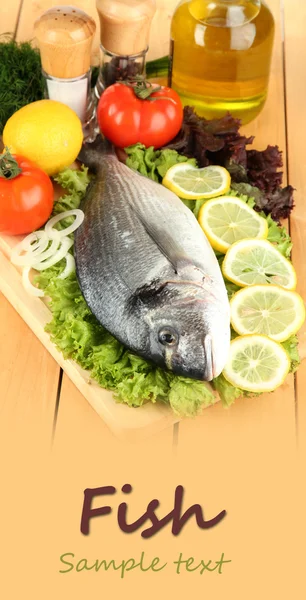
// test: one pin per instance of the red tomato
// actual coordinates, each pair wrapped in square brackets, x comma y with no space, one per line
[125,119]
[26,201]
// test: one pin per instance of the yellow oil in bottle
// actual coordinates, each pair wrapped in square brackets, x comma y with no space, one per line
[220,56]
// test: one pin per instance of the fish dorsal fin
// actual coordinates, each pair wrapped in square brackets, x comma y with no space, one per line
[172,251]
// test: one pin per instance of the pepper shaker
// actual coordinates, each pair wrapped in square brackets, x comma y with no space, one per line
[65,35]
[124,34]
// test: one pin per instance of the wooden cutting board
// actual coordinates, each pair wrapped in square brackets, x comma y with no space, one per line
[123,421]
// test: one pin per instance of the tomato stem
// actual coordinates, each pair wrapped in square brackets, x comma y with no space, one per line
[142,89]
[8,166]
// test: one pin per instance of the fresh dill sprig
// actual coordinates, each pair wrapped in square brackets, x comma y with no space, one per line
[21,80]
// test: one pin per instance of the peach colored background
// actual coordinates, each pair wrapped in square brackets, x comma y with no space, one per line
[262,534]
[245,460]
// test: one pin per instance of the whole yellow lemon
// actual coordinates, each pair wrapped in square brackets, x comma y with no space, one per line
[47,132]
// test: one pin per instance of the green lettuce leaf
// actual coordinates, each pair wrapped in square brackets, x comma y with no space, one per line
[250,191]
[277,234]
[227,392]
[154,163]
[188,397]
[75,181]
[134,381]
[279,237]
[292,348]
[79,336]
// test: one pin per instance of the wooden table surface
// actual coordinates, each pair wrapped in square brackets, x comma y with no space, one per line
[39,402]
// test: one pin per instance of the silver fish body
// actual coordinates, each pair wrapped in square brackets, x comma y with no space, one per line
[148,272]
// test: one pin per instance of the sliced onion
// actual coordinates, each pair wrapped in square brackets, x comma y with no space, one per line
[31,244]
[30,288]
[69,268]
[79,218]
[36,251]
[34,241]
[30,259]
[65,245]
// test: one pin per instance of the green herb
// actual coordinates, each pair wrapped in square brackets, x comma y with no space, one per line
[158,67]
[154,68]
[219,142]
[134,381]
[227,392]
[292,348]
[21,81]
[79,336]
[153,163]
[282,241]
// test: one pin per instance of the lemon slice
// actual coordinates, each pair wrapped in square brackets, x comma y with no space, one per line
[256,364]
[192,183]
[269,310]
[251,262]
[227,220]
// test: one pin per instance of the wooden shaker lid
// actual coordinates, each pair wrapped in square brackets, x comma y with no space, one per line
[65,35]
[125,25]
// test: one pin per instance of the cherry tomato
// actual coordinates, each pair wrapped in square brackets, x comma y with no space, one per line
[26,199]
[126,119]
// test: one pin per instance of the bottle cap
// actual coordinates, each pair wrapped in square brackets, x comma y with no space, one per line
[65,35]
[125,25]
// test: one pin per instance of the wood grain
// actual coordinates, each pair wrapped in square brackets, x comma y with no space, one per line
[159,37]
[125,26]
[89,435]
[28,374]
[69,394]
[295,57]
[28,383]
[268,128]
[274,412]
[64,36]
[8,16]
[122,420]
[237,459]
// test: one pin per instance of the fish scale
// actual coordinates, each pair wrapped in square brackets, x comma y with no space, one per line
[148,272]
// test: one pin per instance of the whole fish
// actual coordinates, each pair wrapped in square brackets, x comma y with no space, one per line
[148,272]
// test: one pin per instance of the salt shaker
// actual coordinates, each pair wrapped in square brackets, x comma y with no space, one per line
[65,35]
[124,34]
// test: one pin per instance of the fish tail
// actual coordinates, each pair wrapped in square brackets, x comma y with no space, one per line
[92,155]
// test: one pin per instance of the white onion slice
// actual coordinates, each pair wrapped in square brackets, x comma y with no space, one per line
[66,244]
[30,288]
[47,253]
[32,243]
[40,247]
[30,259]
[35,250]
[69,268]
[79,218]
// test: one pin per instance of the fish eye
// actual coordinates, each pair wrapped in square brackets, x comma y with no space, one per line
[167,337]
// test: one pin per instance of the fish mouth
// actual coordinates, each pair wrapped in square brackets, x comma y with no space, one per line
[209,370]
[206,371]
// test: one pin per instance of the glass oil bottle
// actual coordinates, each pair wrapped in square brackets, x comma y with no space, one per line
[221,56]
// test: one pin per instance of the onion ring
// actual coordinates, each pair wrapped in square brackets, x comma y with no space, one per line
[79,218]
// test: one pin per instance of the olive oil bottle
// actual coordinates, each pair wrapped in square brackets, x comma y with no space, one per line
[221,55]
